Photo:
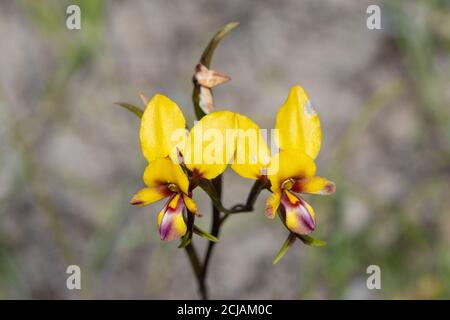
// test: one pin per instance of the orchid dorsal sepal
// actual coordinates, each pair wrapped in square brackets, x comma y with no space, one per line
[284,248]
[298,124]
[162,130]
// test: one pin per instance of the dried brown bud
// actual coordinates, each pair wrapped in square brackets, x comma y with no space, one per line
[209,78]
[206,100]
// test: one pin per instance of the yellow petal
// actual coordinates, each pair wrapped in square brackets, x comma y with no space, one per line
[146,196]
[289,164]
[170,220]
[222,136]
[174,201]
[272,204]
[252,154]
[315,185]
[293,199]
[190,204]
[162,129]
[299,217]
[211,144]
[163,171]
[298,124]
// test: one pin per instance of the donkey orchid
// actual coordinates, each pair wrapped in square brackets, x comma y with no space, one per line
[292,170]
[180,160]
[210,145]
[165,179]
[295,174]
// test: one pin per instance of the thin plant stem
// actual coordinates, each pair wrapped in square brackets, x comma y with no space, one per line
[197,268]
[217,220]
[215,230]
[256,189]
[216,225]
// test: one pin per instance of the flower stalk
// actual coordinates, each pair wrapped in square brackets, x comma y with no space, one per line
[216,183]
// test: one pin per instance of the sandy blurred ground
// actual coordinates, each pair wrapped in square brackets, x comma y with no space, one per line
[70,160]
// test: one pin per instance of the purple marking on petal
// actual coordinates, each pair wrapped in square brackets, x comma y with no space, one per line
[330,188]
[166,227]
[164,230]
[306,218]
[307,223]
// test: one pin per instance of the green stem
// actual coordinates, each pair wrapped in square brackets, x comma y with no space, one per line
[196,266]
[209,188]
[218,221]
[216,185]
[256,189]
[215,230]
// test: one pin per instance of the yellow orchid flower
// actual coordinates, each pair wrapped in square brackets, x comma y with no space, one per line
[292,172]
[166,179]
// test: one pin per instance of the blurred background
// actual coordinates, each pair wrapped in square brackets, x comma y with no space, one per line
[70,159]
